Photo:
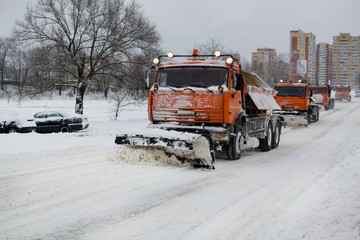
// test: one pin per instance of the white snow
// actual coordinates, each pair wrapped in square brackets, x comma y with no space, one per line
[84,186]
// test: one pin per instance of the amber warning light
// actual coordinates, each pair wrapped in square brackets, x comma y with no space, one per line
[195,52]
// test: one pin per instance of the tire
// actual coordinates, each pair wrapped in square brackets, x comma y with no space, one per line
[316,117]
[267,143]
[276,135]
[236,145]
[64,129]
[13,130]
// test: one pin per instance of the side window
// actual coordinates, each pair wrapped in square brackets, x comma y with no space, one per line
[233,81]
[41,115]
[161,79]
[54,115]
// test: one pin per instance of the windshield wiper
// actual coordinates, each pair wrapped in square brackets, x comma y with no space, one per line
[172,88]
[187,88]
[201,86]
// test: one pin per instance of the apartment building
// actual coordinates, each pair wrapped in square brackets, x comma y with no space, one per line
[263,57]
[324,58]
[303,56]
[346,60]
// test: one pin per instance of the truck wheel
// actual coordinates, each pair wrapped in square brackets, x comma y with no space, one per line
[267,143]
[236,145]
[276,136]
[332,104]
[316,117]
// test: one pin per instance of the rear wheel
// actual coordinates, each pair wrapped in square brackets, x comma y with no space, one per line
[276,135]
[236,144]
[332,104]
[316,117]
[64,129]
[267,143]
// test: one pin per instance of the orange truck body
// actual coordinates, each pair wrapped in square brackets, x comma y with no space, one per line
[322,93]
[297,104]
[342,92]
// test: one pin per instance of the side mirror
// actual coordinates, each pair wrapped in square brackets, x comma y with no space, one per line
[147,77]
[239,82]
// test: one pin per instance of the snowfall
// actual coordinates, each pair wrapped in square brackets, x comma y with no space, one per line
[84,186]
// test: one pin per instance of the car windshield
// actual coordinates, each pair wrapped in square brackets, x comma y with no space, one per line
[319,90]
[291,91]
[191,76]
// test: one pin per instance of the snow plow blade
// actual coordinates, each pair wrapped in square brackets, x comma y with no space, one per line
[186,147]
[295,120]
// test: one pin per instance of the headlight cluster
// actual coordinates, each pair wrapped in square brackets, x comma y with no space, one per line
[217,54]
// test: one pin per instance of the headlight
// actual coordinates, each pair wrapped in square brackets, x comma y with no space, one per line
[230,60]
[217,53]
[170,54]
[156,61]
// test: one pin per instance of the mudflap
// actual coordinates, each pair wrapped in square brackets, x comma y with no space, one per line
[186,147]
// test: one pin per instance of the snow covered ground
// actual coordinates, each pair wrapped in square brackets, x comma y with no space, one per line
[84,186]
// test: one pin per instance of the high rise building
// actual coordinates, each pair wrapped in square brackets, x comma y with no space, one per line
[324,57]
[303,55]
[263,57]
[346,60]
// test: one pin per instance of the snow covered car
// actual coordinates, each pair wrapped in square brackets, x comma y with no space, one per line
[53,121]
[16,121]
[357,93]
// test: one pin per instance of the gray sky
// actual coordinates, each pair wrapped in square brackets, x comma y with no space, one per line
[240,25]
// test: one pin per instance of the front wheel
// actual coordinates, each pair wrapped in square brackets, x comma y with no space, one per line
[266,144]
[13,130]
[236,144]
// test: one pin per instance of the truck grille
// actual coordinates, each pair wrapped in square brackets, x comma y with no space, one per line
[188,115]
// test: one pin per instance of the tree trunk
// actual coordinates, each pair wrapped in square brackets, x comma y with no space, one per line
[79,106]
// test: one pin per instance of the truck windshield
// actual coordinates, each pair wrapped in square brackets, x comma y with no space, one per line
[191,76]
[319,90]
[291,91]
[342,89]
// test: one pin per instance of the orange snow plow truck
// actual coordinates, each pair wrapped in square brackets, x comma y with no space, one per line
[298,107]
[199,104]
[343,93]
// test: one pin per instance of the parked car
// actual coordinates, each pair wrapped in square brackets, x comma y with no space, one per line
[357,93]
[54,121]
[16,121]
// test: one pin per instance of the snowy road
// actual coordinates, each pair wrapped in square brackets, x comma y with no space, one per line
[308,188]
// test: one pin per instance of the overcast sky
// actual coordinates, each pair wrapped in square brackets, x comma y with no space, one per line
[240,25]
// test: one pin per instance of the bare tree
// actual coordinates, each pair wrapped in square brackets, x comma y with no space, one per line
[210,46]
[5,45]
[18,70]
[93,36]
[271,72]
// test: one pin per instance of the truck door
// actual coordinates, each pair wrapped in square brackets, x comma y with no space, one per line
[235,98]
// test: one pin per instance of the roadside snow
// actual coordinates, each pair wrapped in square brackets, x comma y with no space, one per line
[84,186]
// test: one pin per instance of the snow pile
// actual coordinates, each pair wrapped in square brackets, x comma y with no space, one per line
[146,156]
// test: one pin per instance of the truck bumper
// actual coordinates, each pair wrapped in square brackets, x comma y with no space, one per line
[216,133]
